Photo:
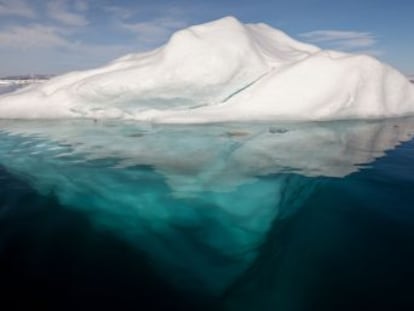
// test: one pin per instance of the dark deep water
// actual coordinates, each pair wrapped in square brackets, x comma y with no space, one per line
[326,223]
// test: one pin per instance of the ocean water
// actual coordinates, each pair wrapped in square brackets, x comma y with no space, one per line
[7,88]
[243,216]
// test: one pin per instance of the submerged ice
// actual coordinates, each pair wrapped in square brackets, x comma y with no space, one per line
[198,200]
[223,71]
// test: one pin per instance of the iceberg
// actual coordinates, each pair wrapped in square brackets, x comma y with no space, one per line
[222,71]
[198,200]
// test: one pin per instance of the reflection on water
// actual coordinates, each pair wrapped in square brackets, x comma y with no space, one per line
[213,208]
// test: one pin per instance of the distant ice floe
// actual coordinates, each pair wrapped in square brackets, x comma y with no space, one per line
[222,71]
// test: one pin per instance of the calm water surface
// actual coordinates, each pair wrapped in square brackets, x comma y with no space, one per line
[261,216]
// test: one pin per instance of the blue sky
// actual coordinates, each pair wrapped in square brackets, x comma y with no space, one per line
[55,36]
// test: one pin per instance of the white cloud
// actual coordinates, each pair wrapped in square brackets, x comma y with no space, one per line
[81,5]
[56,47]
[41,37]
[41,48]
[60,11]
[119,12]
[58,60]
[149,31]
[372,52]
[344,40]
[16,8]
[31,36]
[154,30]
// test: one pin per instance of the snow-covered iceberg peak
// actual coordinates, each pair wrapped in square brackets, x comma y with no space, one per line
[223,71]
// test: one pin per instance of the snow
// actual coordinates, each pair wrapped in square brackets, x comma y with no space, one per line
[223,71]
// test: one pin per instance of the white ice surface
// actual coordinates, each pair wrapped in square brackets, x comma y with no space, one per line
[223,71]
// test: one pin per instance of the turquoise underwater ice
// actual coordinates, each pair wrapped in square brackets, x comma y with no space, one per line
[199,201]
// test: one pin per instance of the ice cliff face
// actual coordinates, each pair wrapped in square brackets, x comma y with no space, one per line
[223,71]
